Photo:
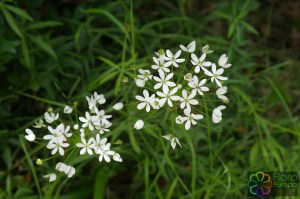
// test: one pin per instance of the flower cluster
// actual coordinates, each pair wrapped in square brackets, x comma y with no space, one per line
[181,83]
[86,136]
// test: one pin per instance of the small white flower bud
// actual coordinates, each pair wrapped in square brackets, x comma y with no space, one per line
[76,127]
[139,124]
[118,106]
[39,162]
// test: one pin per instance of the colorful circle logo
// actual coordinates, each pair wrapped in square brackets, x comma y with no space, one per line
[260,184]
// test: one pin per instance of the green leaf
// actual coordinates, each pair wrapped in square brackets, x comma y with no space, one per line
[11,22]
[44,24]
[25,52]
[19,12]
[250,28]
[43,45]
[6,46]
[100,183]
[111,17]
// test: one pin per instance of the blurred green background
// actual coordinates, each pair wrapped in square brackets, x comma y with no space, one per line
[56,52]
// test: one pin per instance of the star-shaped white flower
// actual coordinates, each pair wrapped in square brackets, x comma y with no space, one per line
[56,134]
[105,153]
[160,65]
[217,114]
[169,96]
[164,81]
[174,140]
[144,74]
[145,101]
[92,102]
[198,86]
[103,127]
[190,118]
[216,75]
[223,61]
[57,145]
[200,63]
[86,146]
[189,48]
[99,143]
[174,59]
[101,117]
[88,121]
[187,100]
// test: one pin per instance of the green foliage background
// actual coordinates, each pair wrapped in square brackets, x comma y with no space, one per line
[56,52]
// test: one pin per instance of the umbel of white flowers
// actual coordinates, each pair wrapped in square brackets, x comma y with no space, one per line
[88,135]
[201,77]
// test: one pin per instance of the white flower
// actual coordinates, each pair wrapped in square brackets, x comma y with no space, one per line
[206,50]
[39,124]
[99,143]
[217,114]
[160,65]
[68,110]
[88,121]
[68,170]
[199,62]
[198,86]
[105,153]
[76,126]
[117,157]
[138,124]
[30,135]
[187,100]
[167,95]
[50,117]
[216,75]
[173,58]
[188,77]
[172,139]
[191,118]
[92,102]
[223,61]
[103,127]
[145,74]
[146,101]
[101,117]
[86,146]
[179,119]
[118,106]
[51,176]
[189,48]
[57,145]
[164,81]
[99,98]
[139,82]
[220,93]
[55,134]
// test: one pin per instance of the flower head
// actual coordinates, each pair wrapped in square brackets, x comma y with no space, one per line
[189,48]
[174,140]
[139,124]
[30,135]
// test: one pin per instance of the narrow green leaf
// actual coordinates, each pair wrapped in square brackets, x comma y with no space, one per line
[111,17]
[44,24]
[19,12]
[250,28]
[43,45]
[25,52]
[21,141]
[11,22]
[171,189]
[134,144]
[100,183]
